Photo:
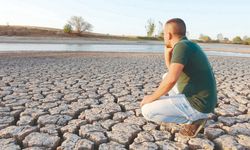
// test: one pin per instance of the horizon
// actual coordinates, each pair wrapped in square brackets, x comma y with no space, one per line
[128,18]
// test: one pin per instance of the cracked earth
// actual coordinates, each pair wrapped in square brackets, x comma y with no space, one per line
[68,101]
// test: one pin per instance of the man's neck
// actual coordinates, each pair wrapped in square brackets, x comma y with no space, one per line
[176,40]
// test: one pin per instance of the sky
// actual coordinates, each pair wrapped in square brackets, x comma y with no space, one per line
[129,17]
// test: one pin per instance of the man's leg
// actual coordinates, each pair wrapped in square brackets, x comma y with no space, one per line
[171,109]
[174,91]
[165,110]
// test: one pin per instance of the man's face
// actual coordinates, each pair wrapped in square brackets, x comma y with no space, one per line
[167,36]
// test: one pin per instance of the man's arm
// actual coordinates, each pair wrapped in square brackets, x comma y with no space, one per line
[167,56]
[167,83]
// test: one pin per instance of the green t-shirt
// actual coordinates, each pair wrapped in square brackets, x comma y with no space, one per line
[197,81]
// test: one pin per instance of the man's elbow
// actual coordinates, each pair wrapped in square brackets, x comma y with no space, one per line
[172,81]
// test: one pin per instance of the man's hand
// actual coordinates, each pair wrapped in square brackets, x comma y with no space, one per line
[147,99]
[167,56]
[168,50]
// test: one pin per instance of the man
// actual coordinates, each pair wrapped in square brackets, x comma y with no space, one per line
[190,84]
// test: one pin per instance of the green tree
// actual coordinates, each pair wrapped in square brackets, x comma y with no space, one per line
[150,27]
[79,24]
[247,41]
[204,38]
[67,28]
[237,40]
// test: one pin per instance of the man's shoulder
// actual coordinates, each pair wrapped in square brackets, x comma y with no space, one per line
[188,44]
[183,45]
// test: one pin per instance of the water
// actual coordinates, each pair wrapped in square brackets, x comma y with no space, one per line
[82,47]
[118,48]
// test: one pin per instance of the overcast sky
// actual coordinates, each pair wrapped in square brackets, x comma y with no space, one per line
[128,17]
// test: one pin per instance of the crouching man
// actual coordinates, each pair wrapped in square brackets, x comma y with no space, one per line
[189,83]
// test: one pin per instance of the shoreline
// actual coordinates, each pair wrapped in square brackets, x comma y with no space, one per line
[72,54]
[70,40]
[219,47]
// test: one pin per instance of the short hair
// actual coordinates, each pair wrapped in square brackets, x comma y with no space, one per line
[180,26]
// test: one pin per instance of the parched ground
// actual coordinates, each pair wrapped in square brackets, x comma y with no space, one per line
[91,101]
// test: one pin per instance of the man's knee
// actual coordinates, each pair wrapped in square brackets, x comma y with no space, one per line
[146,112]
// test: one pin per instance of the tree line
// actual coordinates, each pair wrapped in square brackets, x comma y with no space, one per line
[154,31]
[221,39]
[151,32]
